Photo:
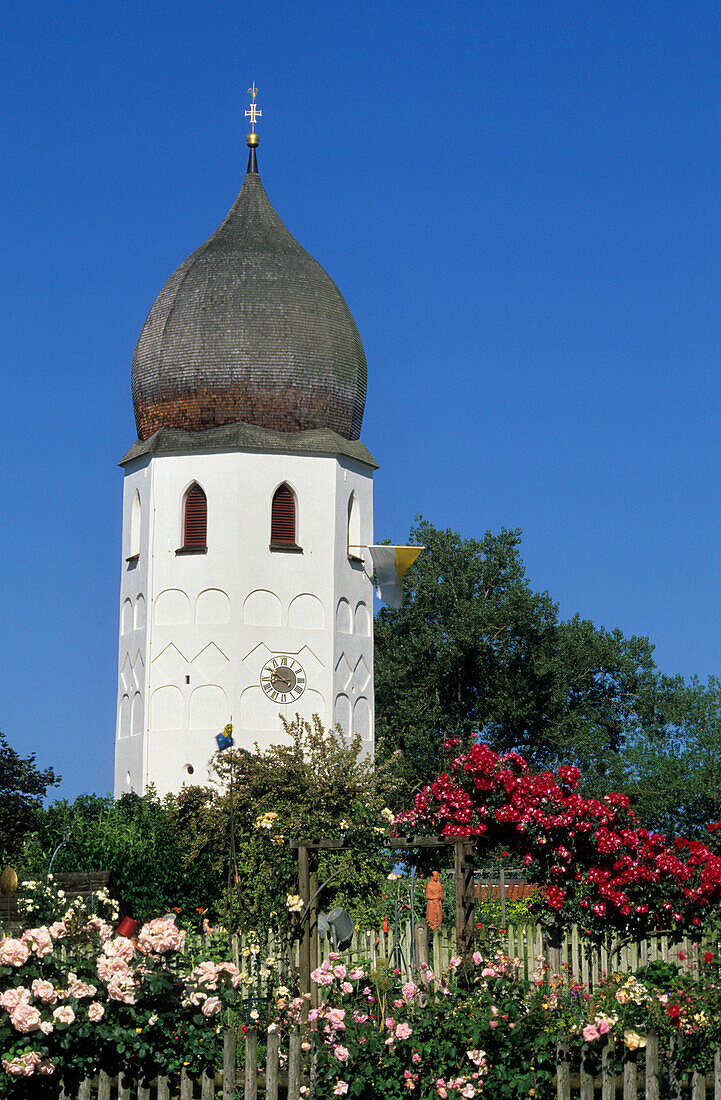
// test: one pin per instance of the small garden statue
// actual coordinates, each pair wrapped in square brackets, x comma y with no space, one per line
[434,901]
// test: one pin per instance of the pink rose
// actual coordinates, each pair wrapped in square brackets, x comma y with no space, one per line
[39,940]
[45,1067]
[58,930]
[46,1027]
[25,1018]
[346,987]
[321,976]
[340,1089]
[161,936]
[340,972]
[96,1011]
[45,991]
[410,991]
[341,1053]
[603,1027]
[13,952]
[590,1033]
[11,998]
[403,1031]
[211,1007]
[207,974]
[477,958]
[231,972]
[64,1014]
[79,990]
[356,973]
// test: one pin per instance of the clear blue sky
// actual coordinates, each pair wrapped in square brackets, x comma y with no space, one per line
[520,203]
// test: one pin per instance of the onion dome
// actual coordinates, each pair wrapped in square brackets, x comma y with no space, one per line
[250,328]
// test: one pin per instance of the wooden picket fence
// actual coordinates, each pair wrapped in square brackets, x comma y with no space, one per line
[647,1074]
[252,1080]
[579,960]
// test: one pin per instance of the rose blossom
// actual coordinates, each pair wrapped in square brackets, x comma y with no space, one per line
[321,976]
[46,1027]
[207,974]
[341,1053]
[44,991]
[46,1067]
[341,1088]
[211,1007]
[160,936]
[39,940]
[80,990]
[356,973]
[13,952]
[96,1011]
[403,1031]
[591,1032]
[58,930]
[64,1014]
[11,998]
[120,947]
[25,1018]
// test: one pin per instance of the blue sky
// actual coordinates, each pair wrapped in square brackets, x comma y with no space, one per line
[520,204]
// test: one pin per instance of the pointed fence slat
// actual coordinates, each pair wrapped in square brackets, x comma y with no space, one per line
[103,1086]
[163,1088]
[586,1077]
[123,1089]
[230,1043]
[652,1075]
[207,1087]
[563,1070]
[294,1065]
[144,1092]
[608,1071]
[251,1065]
[272,1067]
[630,1085]
[698,1086]
[186,1086]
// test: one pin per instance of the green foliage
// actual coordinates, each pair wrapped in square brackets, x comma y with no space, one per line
[137,839]
[474,650]
[674,775]
[317,786]
[22,789]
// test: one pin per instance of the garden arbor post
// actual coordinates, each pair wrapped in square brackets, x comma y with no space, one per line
[304,942]
[465,895]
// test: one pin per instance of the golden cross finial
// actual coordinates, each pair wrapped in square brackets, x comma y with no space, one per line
[253,114]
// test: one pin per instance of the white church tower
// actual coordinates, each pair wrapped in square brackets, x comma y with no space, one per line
[247,507]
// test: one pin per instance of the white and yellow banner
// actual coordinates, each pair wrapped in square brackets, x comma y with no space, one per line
[390,564]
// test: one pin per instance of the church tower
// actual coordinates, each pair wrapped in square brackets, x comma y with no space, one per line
[247,506]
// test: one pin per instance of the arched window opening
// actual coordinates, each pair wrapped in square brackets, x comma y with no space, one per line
[354,529]
[135,516]
[282,520]
[195,519]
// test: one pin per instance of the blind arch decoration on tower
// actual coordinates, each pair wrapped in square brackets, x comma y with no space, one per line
[195,517]
[135,518]
[283,517]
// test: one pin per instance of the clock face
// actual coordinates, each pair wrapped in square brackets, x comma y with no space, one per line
[283,679]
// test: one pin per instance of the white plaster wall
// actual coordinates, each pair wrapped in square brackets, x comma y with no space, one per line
[212,620]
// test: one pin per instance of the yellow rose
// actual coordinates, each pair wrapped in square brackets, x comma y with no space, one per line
[633,1040]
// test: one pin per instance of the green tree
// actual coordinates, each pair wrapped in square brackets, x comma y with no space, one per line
[22,789]
[315,786]
[674,775]
[475,650]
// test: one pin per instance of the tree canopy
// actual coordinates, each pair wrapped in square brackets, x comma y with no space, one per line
[22,788]
[474,651]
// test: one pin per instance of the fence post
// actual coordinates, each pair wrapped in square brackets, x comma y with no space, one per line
[294,1065]
[313,936]
[103,1086]
[563,1070]
[207,1086]
[230,1040]
[186,1086]
[674,1077]
[652,1078]
[421,945]
[629,1076]
[304,938]
[698,1086]
[465,895]
[586,1077]
[163,1089]
[251,1065]
[271,1069]
[608,1070]
[552,942]
[717,1074]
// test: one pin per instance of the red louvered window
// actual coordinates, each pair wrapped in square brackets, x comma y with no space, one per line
[282,521]
[195,517]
